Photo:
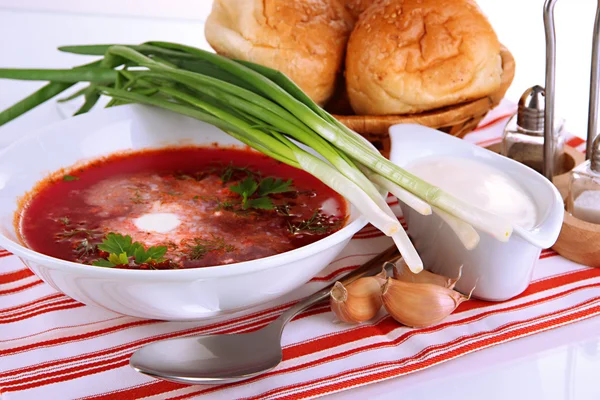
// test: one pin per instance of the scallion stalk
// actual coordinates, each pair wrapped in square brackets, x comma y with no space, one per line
[467,235]
[264,109]
[353,145]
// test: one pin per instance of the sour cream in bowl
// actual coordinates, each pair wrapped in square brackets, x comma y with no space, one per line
[497,270]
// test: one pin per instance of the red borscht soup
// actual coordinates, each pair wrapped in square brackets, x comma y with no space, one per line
[178,208]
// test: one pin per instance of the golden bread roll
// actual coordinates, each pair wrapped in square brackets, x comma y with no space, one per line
[304,39]
[357,7]
[410,56]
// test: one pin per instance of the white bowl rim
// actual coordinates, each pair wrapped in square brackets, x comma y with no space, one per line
[239,268]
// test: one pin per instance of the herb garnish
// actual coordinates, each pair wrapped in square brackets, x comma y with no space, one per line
[121,248]
[85,248]
[76,232]
[318,224]
[249,187]
[224,205]
[64,220]
[283,209]
[70,178]
[203,246]
[180,176]
[230,171]
[137,197]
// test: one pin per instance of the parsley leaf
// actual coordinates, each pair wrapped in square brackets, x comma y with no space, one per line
[245,188]
[103,263]
[70,178]
[153,253]
[272,185]
[120,259]
[120,248]
[249,187]
[116,243]
[263,203]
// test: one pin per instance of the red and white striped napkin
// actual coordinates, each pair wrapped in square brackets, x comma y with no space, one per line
[52,347]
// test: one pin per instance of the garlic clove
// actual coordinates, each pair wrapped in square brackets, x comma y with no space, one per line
[403,273]
[382,276]
[453,281]
[358,302]
[419,305]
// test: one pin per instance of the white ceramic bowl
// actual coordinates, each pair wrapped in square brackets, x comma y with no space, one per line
[171,295]
[499,270]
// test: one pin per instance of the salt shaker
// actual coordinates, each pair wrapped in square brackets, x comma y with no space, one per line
[523,137]
[583,201]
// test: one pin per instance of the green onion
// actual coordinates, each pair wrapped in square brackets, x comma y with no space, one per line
[354,145]
[33,100]
[91,74]
[467,235]
[264,109]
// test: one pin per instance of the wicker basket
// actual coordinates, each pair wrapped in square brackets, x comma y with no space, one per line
[456,120]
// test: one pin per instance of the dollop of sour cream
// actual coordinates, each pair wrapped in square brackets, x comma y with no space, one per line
[480,185]
[157,222]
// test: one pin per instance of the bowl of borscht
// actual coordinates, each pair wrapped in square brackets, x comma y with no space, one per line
[155,215]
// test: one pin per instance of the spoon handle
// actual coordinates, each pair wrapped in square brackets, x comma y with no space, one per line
[370,268]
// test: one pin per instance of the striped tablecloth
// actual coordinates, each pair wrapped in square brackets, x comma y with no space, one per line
[52,347]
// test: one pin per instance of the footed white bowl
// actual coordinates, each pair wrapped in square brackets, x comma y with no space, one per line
[186,294]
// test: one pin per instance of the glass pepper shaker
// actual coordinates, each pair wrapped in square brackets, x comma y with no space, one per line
[523,137]
[583,201]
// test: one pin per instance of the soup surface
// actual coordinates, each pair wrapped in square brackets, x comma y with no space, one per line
[178,208]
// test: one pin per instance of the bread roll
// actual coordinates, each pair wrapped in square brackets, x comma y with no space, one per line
[357,7]
[410,56]
[305,39]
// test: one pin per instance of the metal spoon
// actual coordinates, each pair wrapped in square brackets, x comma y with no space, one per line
[217,359]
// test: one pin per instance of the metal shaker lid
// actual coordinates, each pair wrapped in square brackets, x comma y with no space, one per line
[530,114]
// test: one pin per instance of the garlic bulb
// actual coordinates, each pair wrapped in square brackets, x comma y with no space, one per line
[419,305]
[403,273]
[358,302]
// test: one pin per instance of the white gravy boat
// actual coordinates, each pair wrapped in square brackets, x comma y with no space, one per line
[497,270]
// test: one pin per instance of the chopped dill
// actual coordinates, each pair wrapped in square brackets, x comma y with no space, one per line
[180,176]
[85,248]
[317,224]
[230,171]
[64,220]
[224,205]
[137,197]
[201,247]
[283,209]
[77,232]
